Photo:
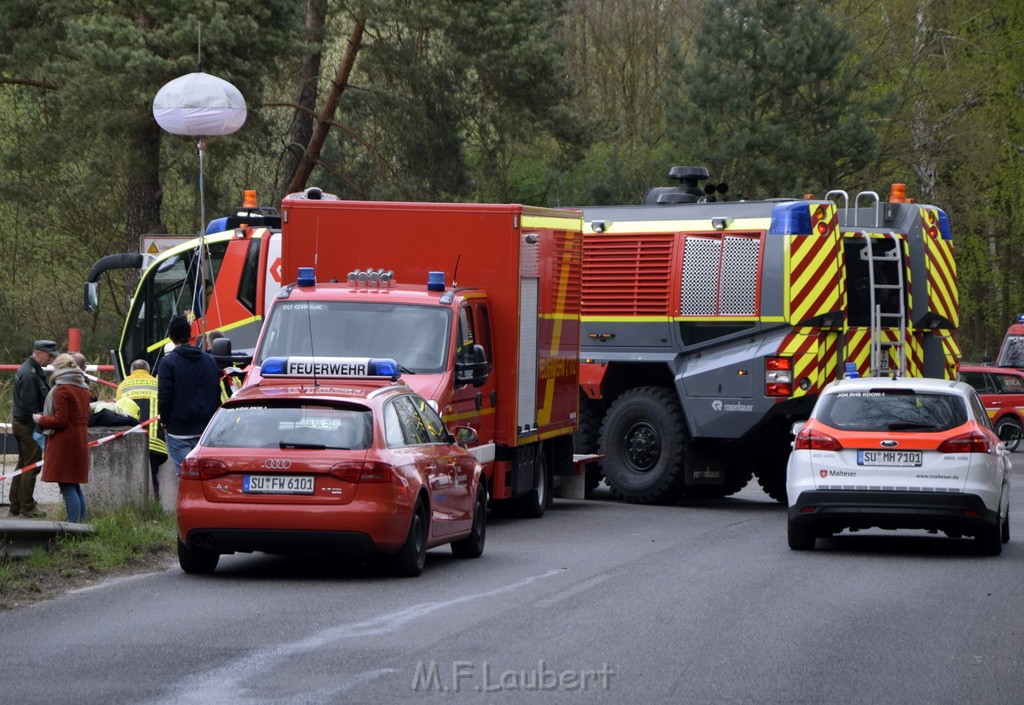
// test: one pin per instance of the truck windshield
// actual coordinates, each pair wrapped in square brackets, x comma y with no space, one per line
[1012,352]
[415,336]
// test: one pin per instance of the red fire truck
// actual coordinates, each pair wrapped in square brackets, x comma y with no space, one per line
[478,303]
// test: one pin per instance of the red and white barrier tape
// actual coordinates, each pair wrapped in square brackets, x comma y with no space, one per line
[92,444]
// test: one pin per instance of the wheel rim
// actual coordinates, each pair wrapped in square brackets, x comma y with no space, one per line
[643,447]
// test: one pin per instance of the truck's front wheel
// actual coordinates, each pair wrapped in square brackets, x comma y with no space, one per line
[643,439]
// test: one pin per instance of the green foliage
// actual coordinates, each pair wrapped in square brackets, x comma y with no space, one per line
[765,98]
[552,102]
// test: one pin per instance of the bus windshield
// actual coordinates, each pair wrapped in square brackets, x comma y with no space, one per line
[413,335]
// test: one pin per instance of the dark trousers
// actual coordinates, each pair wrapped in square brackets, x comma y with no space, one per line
[23,486]
[155,461]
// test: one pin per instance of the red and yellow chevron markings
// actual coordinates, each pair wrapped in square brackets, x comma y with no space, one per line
[943,298]
[814,267]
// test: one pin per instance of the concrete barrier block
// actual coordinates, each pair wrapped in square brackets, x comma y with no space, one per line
[119,473]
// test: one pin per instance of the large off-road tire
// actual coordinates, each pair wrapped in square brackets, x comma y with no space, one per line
[643,439]
[770,469]
[532,504]
[473,545]
[196,561]
[587,439]
[409,561]
[1009,431]
[800,536]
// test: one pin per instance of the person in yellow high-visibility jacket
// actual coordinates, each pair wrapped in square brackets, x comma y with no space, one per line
[141,387]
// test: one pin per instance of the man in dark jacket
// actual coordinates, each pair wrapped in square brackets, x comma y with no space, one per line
[30,390]
[188,391]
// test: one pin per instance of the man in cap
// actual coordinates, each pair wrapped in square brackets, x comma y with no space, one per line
[29,393]
[188,391]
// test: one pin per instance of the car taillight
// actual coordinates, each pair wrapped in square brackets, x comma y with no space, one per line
[778,377]
[809,439]
[202,468]
[971,442]
[356,471]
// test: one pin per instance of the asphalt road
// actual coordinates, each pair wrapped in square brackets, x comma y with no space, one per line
[599,601]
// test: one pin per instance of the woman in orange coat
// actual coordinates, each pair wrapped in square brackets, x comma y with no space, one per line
[65,421]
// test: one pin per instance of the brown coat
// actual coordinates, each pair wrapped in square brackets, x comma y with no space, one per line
[66,456]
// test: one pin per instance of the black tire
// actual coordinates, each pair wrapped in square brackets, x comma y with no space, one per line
[587,440]
[801,537]
[643,439]
[1006,527]
[409,562]
[770,470]
[989,541]
[533,503]
[1009,431]
[473,545]
[196,561]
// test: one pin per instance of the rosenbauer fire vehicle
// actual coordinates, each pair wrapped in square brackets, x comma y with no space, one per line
[478,303]
[709,326]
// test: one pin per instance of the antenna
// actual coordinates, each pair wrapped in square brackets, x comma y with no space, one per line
[455,274]
[199,46]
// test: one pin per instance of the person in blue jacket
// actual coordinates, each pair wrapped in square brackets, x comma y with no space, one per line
[188,391]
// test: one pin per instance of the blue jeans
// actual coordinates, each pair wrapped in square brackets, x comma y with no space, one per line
[74,501]
[178,448]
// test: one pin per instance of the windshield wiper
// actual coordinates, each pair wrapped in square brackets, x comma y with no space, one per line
[301,446]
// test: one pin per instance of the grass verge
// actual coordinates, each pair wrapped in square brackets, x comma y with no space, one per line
[126,541]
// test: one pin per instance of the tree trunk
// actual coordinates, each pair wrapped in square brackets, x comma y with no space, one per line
[302,123]
[316,143]
[144,198]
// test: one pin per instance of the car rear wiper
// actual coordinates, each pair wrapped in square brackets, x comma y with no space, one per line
[911,426]
[301,446]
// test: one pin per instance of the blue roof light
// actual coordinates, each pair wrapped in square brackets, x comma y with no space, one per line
[435,281]
[791,219]
[851,370]
[944,227]
[274,366]
[217,225]
[307,277]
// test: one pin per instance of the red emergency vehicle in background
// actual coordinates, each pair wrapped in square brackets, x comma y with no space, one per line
[478,303]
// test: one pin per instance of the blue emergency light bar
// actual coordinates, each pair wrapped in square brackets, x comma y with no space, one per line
[330,367]
[791,219]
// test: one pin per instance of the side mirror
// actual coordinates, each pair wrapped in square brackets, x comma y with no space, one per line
[475,370]
[91,297]
[466,436]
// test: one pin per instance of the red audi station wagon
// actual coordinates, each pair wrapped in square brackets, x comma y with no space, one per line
[1002,392]
[329,455]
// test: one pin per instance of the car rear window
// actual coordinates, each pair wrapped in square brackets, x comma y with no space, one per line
[892,410]
[312,426]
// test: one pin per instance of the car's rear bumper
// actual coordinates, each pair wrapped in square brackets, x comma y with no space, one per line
[284,541]
[357,527]
[829,510]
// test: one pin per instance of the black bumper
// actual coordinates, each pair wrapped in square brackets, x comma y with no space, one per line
[834,511]
[289,542]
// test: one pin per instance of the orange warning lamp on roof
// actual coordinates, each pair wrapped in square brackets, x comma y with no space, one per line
[249,198]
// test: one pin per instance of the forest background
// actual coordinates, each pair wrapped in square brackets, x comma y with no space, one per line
[544,102]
